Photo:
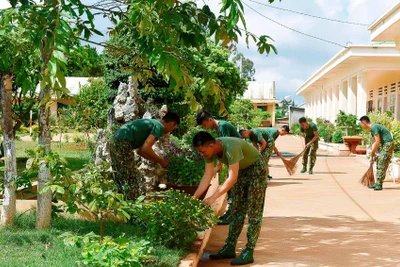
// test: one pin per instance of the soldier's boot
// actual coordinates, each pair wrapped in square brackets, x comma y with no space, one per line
[245,257]
[373,186]
[378,187]
[227,252]
[303,170]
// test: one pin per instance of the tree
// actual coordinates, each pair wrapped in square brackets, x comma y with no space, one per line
[84,61]
[46,26]
[160,29]
[245,66]
[16,57]
[242,114]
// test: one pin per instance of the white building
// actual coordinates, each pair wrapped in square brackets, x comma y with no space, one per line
[360,78]
[262,95]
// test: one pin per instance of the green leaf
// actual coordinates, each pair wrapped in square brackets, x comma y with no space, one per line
[60,56]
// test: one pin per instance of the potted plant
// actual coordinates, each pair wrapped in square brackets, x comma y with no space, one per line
[185,169]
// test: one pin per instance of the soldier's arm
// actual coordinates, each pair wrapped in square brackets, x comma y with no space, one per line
[147,151]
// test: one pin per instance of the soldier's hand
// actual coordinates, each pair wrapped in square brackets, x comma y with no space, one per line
[371,160]
[164,164]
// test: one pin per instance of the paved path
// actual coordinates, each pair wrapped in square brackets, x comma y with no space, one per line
[325,219]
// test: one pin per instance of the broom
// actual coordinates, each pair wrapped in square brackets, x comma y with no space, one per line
[291,164]
[368,178]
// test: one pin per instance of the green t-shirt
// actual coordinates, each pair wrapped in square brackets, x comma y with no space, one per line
[268,134]
[137,131]
[384,134]
[225,129]
[309,133]
[236,150]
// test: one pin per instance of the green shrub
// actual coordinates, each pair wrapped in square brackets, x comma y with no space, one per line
[295,129]
[23,130]
[337,137]
[185,166]
[109,251]
[348,122]
[175,219]
[395,130]
[380,118]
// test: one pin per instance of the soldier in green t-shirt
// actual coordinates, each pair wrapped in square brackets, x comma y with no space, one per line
[310,133]
[383,140]
[247,182]
[223,129]
[264,140]
[141,135]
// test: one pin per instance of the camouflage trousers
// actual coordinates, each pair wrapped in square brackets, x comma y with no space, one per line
[383,161]
[126,175]
[248,199]
[312,150]
[267,153]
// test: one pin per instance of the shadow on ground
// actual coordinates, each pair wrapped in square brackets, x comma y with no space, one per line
[301,241]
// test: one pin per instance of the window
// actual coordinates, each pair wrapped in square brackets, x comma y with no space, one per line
[380,105]
[370,106]
[392,103]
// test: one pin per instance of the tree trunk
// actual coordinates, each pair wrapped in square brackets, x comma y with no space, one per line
[10,161]
[43,215]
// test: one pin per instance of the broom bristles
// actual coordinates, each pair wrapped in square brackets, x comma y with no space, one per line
[291,164]
[368,178]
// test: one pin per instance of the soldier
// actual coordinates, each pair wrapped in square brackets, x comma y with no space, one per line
[140,135]
[310,133]
[266,137]
[248,185]
[223,129]
[383,140]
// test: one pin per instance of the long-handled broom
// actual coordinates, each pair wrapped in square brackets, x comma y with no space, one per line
[291,164]
[368,178]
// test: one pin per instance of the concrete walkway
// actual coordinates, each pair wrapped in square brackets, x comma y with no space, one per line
[325,219]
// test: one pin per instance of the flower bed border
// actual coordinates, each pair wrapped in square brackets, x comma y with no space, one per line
[198,246]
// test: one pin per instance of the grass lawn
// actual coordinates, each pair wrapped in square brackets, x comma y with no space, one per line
[23,245]
[75,154]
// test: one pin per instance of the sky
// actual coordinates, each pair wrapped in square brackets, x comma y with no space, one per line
[298,56]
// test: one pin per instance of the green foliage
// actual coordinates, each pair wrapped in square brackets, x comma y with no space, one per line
[295,129]
[185,164]
[84,61]
[325,129]
[243,115]
[278,114]
[337,137]
[245,66]
[348,122]
[380,118]
[175,219]
[395,130]
[109,251]
[90,110]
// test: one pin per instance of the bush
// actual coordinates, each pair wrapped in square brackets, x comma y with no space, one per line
[348,122]
[337,137]
[243,115]
[185,166]
[175,219]
[23,130]
[109,251]
[325,129]
[295,128]
[380,118]
[395,130]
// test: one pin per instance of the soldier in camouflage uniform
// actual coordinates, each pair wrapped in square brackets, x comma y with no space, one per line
[247,181]
[223,129]
[310,133]
[140,135]
[264,140]
[383,140]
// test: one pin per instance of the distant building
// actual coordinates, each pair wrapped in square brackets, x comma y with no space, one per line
[262,95]
[74,85]
[360,78]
